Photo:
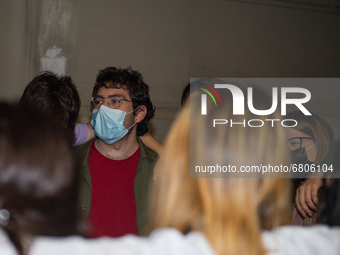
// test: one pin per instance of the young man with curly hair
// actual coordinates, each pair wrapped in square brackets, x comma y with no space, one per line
[116,166]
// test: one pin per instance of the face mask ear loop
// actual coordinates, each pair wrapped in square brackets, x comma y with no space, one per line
[311,146]
[130,112]
[132,125]
[133,110]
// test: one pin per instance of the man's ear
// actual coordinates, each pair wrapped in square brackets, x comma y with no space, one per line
[140,113]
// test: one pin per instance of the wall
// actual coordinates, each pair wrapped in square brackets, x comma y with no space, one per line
[12,48]
[250,40]
[168,42]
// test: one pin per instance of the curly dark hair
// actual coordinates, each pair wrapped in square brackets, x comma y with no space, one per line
[54,96]
[132,81]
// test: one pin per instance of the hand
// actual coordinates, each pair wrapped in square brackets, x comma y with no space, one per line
[306,198]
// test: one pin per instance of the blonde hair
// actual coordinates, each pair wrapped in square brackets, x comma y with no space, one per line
[229,211]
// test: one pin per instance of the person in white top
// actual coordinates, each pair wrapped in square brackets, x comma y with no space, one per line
[205,215]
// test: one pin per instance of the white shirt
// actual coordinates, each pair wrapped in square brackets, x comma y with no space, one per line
[285,240]
[298,240]
[160,242]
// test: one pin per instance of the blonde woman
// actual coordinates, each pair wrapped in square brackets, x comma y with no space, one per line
[229,211]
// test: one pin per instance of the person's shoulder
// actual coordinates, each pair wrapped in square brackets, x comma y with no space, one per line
[318,239]
[85,146]
[175,242]
[82,151]
[146,152]
[160,242]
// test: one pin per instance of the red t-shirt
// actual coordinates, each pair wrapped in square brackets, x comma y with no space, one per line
[113,207]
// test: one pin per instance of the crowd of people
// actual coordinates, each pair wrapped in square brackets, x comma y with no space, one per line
[109,187]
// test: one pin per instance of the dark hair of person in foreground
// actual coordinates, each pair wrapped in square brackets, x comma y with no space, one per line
[38,180]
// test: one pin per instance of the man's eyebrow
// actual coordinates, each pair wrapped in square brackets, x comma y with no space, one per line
[112,95]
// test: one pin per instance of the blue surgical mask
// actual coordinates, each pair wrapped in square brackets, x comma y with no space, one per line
[108,124]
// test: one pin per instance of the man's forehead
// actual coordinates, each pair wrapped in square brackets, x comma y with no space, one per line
[115,85]
[121,92]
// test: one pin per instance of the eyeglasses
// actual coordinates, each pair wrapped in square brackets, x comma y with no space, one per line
[295,143]
[112,101]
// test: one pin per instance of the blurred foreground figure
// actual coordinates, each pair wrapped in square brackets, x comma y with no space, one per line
[231,216]
[38,184]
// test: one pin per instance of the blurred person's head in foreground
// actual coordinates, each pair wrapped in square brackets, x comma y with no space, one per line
[38,182]
[56,97]
[231,212]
